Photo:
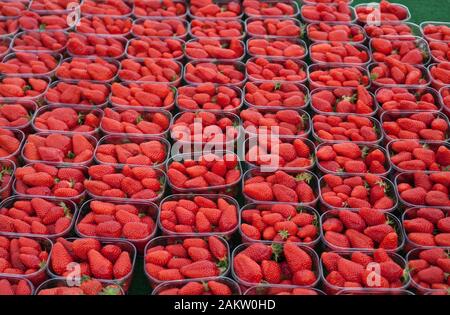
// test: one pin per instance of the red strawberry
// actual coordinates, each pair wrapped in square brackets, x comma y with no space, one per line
[296,257]
[247,269]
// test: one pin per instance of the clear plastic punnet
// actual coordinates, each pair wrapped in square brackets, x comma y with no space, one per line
[396,258]
[259,150]
[59,287]
[81,111]
[40,275]
[213,197]
[41,41]
[306,176]
[418,42]
[20,188]
[67,160]
[277,48]
[411,216]
[366,149]
[163,241]
[276,289]
[28,83]
[217,28]
[312,242]
[320,104]
[125,139]
[153,27]
[428,27]
[145,208]
[7,170]
[316,50]
[124,245]
[352,16]
[375,15]
[20,137]
[230,189]
[388,29]
[172,288]
[144,114]
[269,9]
[335,32]
[70,209]
[325,70]
[208,53]
[423,82]
[384,182]
[416,258]
[20,124]
[21,70]
[26,285]
[315,266]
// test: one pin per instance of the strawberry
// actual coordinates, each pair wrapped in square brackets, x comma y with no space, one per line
[247,269]
[296,257]
[123,266]
[81,247]
[60,259]
[100,267]
[259,191]
[200,269]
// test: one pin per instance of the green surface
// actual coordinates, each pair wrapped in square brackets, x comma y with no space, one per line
[421,10]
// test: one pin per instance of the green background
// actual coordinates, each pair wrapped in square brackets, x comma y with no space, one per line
[421,10]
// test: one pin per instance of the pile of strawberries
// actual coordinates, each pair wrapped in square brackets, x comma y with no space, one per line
[116,220]
[355,192]
[285,154]
[429,268]
[87,287]
[199,215]
[96,259]
[40,179]
[279,222]
[351,158]
[427,226]
[254,136]
[192,287]
[423,189]
[36,216]
[351,270]
[186,258]
[280,186]
[287,264]
[24,256]
[127,182]
[204,172]
[367,228]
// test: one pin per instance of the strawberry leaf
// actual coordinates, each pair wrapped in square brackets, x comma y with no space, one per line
[277,249]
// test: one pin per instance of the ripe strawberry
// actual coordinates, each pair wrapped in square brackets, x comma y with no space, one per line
[82,246]
[100,267]
[349,270]
[259,191]
[296,257]
[60,259]
[123,266]
[247,269]
[200,269]
[352,220]
[390,241]
[271,271]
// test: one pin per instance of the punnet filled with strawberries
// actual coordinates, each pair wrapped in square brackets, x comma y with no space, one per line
[223,147]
